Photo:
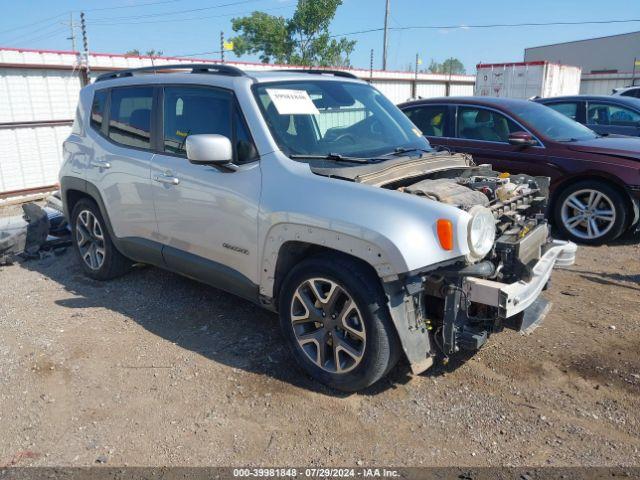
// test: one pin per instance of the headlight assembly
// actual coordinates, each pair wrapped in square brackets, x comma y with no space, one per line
[482,232]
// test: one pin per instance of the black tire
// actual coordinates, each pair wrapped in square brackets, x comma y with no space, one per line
[113,263]
[381,350]
[580,233]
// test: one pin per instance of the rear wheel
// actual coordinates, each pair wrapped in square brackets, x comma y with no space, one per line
[98,255]
[334,316]
[591,212]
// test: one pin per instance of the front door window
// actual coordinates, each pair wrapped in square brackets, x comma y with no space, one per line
[476,123]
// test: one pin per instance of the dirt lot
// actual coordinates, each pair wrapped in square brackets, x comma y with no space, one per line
[155,369]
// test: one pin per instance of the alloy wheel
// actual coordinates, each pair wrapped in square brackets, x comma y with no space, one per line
[328,325]
[90,239]
[588,214]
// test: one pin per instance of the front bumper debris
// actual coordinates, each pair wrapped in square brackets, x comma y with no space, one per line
[475,307]
[511,299]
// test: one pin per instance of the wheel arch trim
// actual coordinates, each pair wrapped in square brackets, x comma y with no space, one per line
[283,233]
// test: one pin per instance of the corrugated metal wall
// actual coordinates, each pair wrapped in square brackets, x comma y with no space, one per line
[604,83]
[39,91]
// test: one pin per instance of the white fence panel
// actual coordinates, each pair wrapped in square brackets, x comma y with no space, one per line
[28,95]
[429,90]
[31,157]
[397,92]
[461,90]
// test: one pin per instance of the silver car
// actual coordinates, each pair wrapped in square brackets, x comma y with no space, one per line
[312,195]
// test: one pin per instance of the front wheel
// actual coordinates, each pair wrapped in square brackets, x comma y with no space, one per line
[590,212]
[334,316]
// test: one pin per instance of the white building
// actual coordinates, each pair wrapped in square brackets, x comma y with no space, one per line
[612,54]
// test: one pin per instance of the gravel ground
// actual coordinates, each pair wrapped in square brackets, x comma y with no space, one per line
[155,369]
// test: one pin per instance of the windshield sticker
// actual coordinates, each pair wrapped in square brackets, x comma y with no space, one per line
[292,102]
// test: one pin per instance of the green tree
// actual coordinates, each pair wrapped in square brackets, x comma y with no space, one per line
[451,66]
[149,53]
[304,39]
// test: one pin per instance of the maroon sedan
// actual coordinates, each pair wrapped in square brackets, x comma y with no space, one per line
[595,180]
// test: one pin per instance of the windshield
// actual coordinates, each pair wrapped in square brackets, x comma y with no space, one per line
[320,118]
[552,124]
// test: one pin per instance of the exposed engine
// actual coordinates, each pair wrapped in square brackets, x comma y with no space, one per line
[438,297]
[518,204]
[512,199]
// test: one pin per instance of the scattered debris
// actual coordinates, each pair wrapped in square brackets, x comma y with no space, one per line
[38,229]
[13,237]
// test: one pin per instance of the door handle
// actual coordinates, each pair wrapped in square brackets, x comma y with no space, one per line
[167,180]
[99,164]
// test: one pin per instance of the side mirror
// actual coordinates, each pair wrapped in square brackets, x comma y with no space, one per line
[522,139]
[209,149]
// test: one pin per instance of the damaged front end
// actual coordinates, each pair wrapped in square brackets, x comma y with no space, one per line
[455,307]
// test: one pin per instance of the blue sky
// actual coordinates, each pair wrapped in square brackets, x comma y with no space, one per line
[158,25]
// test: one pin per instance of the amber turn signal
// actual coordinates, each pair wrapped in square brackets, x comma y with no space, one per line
[445,234]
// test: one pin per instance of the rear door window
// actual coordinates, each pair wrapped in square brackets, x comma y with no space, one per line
[97,109]
[130,116]
[431,120]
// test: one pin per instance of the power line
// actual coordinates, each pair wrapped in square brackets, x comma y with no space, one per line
[491,25]
[131,6]
[162,2]
[43,36]
[175,12]
[173,20]
[33,23]
[26,37]
[439,27]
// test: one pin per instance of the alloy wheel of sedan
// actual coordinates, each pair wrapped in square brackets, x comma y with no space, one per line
[328,325]
[588,214]
[90,239]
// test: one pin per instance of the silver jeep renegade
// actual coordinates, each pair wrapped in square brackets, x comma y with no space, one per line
[311,194]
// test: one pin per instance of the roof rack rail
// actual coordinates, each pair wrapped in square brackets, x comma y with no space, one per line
[220,69]
[335,73]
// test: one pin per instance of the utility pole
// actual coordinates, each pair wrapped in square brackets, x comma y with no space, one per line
[85,48]
[386,37]
[415,80]
[72,29]
[371,66]
[222,47]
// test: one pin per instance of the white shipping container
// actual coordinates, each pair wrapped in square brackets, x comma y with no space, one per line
[526,80]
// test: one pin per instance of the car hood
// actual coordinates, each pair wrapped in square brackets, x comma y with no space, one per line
[613,145]
[394,169]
